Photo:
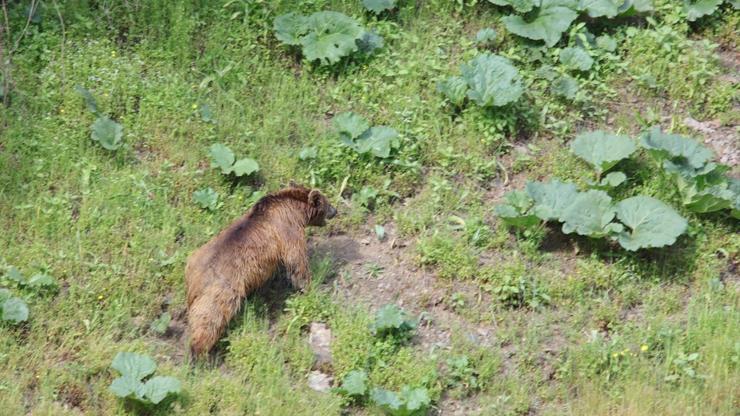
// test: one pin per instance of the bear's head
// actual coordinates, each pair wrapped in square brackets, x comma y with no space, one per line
[321,209]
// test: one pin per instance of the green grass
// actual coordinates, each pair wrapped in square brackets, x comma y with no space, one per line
[115,228]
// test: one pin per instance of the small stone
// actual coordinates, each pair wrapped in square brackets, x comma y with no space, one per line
[319,339]
[698,125]
[319,381]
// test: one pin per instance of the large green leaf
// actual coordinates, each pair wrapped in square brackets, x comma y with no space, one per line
[612,180]
[222,157]
[591,214]
[127,386]
[385,399]
[90,101]
[713,198]
[416,400]
[107,132]
[158,388]
[516,211]
[331,36]
[492,79]
[548,22]
[410,401]
[606,43]
[681,168]
[378,6]
[41,280]
[650,223]
[735,188]
[632,7]
[355,383]
[161,324]
[377,140]
[700,8]
[565,86]
[576,58]
[602,150]
[290,27]
[485,36]
[550,198]
[391,318]
[521,6]
[14,310]
[131,364]
[455,89]
[369,42]
[246,166]
[675,147]
[15,275]
[601,8]
[349,126]
[207,198]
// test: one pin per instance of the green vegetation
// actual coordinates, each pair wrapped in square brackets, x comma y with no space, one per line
[543,193]
[488,80]
[134,368]
[355,132]
[643,221]
[392,321]
[14,309]
[326,37]
[703,185]
[223,158]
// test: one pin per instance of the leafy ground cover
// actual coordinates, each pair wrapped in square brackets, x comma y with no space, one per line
[134,131]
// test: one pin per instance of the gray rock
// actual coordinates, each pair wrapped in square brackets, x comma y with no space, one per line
[319,381]
[319,339]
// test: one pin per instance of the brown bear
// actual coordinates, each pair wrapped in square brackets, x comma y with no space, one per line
[242,257]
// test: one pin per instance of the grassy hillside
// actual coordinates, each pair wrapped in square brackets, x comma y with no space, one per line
[510,322]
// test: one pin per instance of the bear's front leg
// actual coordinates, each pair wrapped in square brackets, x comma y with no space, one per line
[297,265]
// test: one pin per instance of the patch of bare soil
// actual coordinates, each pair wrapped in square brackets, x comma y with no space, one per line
[729,58]
[722,139]
[71,397]
[375,273]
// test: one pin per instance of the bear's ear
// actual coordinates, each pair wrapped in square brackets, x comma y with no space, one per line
[314,198]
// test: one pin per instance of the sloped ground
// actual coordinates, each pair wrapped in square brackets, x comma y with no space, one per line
[545,323]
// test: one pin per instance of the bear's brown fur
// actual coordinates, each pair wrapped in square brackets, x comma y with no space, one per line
[242,257]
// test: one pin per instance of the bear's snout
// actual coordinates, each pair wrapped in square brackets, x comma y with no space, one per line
[332,213]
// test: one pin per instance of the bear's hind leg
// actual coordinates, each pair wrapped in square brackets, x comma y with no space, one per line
[209,315]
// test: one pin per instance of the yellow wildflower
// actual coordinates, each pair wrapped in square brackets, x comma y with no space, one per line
[644,348]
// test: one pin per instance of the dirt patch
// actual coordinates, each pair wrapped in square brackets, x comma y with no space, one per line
[729,58]
[722,139]
[72,396]
[375,273]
